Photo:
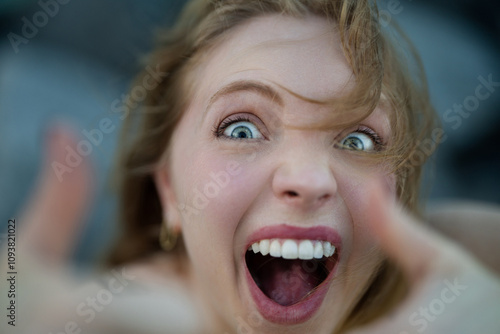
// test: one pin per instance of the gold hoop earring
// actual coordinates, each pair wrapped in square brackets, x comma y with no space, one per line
[168,238]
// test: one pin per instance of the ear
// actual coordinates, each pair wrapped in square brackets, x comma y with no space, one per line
[171,214]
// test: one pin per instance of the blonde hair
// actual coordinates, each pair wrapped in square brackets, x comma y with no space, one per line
[379,70]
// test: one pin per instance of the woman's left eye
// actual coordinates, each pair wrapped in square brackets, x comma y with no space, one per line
[360,141]
[242,130]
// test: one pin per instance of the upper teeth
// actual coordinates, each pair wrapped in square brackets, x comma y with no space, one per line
[294,249]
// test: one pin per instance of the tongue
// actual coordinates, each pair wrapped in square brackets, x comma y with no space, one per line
[287,282]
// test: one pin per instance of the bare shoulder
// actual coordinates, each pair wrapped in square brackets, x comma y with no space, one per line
[476,226]
[160,301]
[467,208]
[159,268]
[466,217]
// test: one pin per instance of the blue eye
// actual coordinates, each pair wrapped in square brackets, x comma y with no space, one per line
[358,141]
[242,130]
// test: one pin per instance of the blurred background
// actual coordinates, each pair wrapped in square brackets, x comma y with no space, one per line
[82,55]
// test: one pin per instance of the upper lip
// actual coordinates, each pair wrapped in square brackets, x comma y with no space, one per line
[284,231]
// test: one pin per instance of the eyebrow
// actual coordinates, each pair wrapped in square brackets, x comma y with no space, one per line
[246,85]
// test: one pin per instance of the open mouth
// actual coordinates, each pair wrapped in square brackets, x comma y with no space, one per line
[287,271]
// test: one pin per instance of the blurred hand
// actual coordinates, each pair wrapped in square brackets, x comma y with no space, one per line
[52,219]
[451,292]
[52,296]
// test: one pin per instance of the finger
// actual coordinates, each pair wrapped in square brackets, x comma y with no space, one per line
[52,217]
[412,245]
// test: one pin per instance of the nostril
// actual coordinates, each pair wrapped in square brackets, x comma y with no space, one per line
[324,197]
[291,193]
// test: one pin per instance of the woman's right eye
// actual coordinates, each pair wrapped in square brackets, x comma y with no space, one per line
[240,128]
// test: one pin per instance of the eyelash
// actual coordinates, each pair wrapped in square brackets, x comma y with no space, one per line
[218,131]
[377,140]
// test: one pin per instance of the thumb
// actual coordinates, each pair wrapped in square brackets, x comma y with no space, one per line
[52,217]
[410,243]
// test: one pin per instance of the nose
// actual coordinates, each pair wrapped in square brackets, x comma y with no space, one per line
[304,184]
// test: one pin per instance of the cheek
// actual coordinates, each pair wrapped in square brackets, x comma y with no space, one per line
[213,192]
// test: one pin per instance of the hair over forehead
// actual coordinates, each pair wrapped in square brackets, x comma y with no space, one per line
[354,21]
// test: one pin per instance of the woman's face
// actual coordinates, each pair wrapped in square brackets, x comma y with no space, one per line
[260,197]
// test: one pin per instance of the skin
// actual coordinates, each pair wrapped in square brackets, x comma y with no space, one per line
[51,220]
[328,183]
[61,206]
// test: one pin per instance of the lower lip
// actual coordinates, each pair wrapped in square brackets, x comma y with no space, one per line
[293,314]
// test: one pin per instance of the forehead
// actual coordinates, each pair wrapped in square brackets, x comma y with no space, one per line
[303,55]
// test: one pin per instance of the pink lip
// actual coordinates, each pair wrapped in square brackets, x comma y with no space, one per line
[305,309]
